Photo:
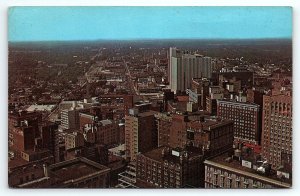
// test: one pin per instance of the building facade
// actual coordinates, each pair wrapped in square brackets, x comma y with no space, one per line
[185,67]
[164,122]
[246,119]
[222,174]
[140,133]
[277,128]
[76,173]
[169,168]
[210,134]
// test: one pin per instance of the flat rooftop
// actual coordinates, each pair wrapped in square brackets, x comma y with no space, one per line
[157,155]
[234,102]
[17,162]
[33,108]
[147,113]
[208,123]
[76,168]
[236,166]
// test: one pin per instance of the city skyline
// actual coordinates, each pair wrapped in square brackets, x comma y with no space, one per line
[134,23]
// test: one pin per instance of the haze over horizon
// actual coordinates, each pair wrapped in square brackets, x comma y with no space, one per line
[148,23]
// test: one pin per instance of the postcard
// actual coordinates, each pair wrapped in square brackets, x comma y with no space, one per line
[150,97]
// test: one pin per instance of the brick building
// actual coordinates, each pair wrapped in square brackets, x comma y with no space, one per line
[224,172]
[200,88]
[22,130]
[140,132]
[73,139]
[246,117]
[164,167]
[164,122]
[277,128]
[210,134]
[75,173]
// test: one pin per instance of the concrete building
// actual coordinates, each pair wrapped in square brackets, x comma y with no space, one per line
[70,118]
[246,117]
[185,67]
[277,128]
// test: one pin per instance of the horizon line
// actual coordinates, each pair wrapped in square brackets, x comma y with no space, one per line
[151,39]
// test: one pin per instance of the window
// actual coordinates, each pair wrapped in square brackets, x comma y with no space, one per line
[21,180]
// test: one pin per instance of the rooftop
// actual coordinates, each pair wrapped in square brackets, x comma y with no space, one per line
[237,167]
[214,123]
[40,108]
[23,114]
[147,113]
[157,154]
[106,122]
[76,169]
[17,162]
[233,101]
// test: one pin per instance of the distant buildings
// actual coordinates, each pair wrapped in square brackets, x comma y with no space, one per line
[183,67]
[245,77]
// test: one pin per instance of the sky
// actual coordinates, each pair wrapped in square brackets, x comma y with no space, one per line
[118,23]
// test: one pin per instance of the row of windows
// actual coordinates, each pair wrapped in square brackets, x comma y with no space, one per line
[219,179]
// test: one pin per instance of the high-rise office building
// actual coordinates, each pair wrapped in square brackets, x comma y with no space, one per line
[246,119]
[140,132]
[184,67]
[277,128]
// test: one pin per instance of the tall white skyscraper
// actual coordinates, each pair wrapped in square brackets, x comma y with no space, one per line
[184,67]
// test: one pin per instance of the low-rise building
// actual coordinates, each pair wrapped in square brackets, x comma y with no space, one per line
[224,172]
[75,173]
[170,168]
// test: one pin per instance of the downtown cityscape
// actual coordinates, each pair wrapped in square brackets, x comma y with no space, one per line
[151,113]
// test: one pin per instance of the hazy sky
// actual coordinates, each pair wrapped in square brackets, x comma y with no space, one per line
[89,23]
